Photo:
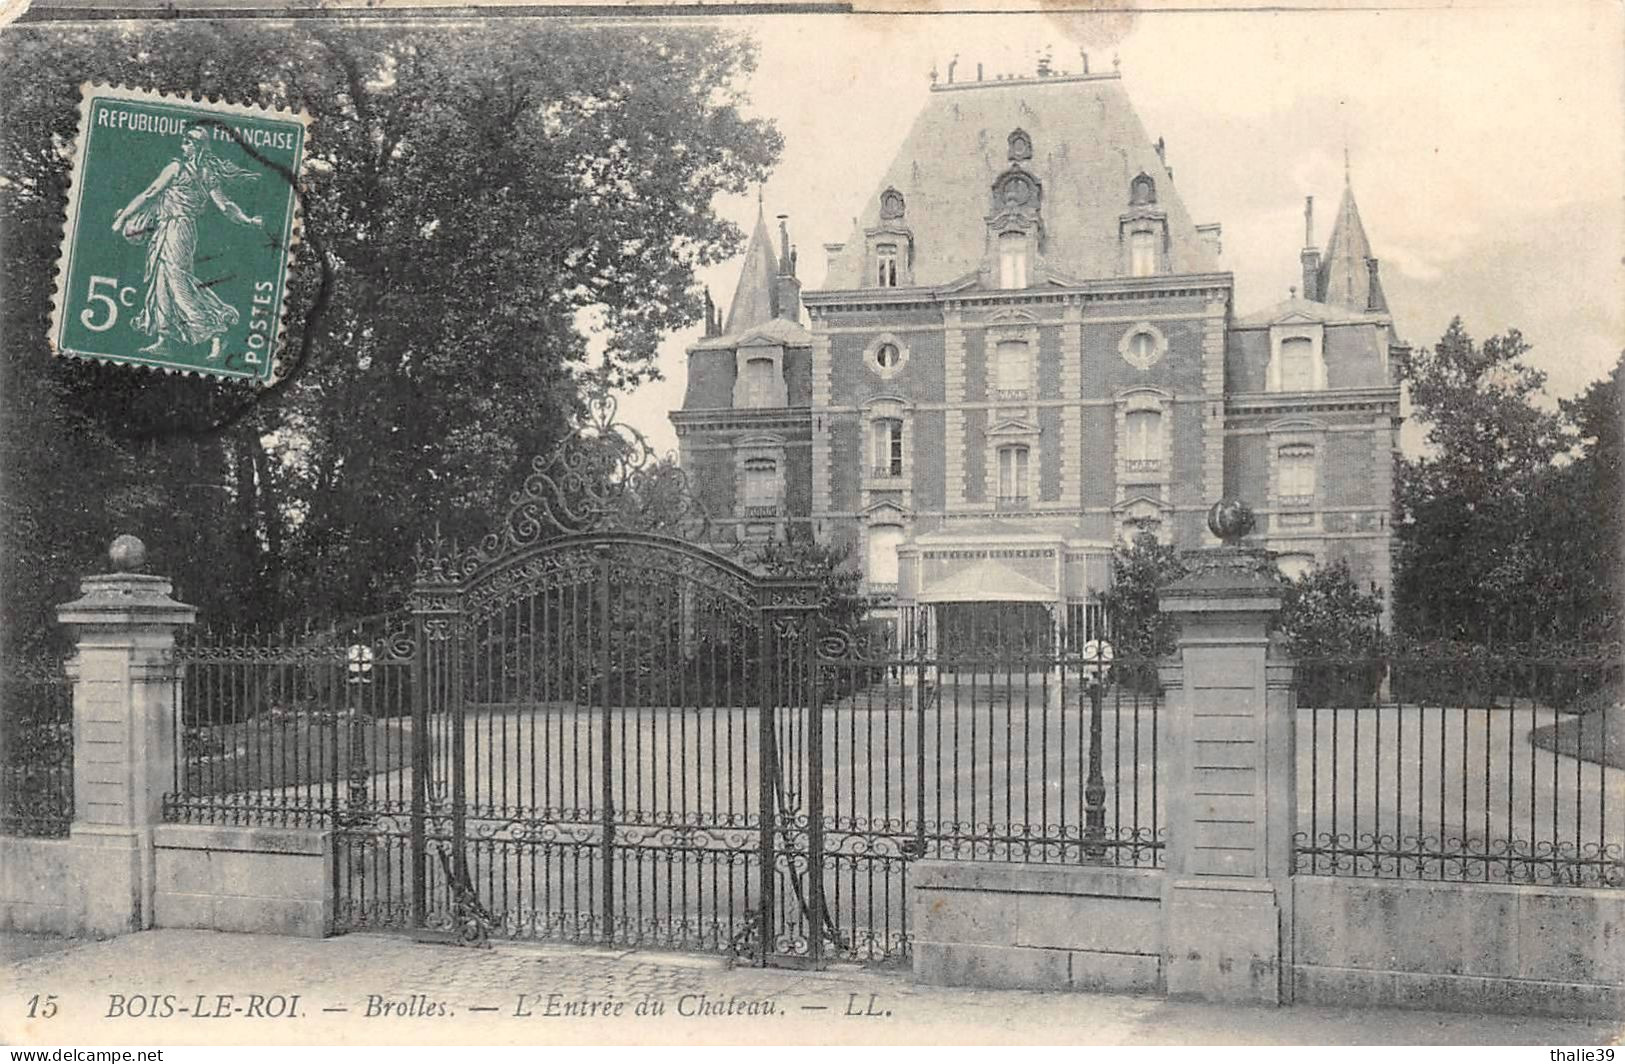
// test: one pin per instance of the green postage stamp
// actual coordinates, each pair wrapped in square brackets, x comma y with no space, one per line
[182,219]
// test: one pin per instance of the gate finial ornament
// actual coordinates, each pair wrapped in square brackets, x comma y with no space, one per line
[1231,520]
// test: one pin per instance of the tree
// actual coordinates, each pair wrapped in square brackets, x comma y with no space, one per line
[1584,514]
[489,217]
[1330,628]
[1139,571]
[1472,520]
[799,555]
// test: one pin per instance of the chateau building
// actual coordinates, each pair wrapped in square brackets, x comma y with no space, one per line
[1025,352]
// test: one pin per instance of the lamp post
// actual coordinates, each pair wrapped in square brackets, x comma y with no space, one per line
[1097,657]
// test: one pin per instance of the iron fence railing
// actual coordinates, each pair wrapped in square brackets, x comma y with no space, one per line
[1480,766]
[991,753]
[293,728]
[36,749]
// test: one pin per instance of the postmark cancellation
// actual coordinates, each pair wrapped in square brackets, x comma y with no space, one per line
[182,221]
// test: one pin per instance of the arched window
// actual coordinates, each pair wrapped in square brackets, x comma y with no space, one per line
[1142,449]
[883,543]
[888,447]
[759,382]
[1013,260]
[886,265]
[1014,371]
[1013,477]
[1297,364]
[1142,253]
[761,486]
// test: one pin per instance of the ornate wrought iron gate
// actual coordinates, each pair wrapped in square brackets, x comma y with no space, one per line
[610,729]
[610,739]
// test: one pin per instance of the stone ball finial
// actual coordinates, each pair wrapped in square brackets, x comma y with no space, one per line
[128,554]
[1231,520]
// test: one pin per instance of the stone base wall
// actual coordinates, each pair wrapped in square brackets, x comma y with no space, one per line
[1557,951]
[264,880]
[89,884]
[1045,927]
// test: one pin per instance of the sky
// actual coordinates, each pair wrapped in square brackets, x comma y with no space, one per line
[1486,146]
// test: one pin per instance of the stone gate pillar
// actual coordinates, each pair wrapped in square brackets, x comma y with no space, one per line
[1232,799]
[123,733]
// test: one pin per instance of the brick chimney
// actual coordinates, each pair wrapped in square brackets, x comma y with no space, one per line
[786,289]
[1311,254]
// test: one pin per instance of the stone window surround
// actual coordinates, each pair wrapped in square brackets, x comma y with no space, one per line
[1160,402]
[764,445]
[1159,350]
[887,408]
[1315,333]
[742,359]
[1147,218]
[1296,432]
[995,267]
[1005,328]
[1134,508]
[873,349]
[880,515]
[892,232]
[1012,432]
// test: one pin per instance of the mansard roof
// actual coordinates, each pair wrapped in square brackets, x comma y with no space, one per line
[1344,278]
[1087,147]
[773,331]
[1298,309]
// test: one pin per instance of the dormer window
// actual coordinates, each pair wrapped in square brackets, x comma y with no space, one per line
[1142,253]
[886,266]
[1142,191]
[1297,357]
[1013,260]
[1297,364]
[760,390]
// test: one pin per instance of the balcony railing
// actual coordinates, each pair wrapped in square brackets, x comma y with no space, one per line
[761,510]
[1143,465]
[1296,502]
[1010,395]
[886,472]
[1012,502]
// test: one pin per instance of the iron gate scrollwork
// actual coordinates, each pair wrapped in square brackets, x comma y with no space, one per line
[610,723]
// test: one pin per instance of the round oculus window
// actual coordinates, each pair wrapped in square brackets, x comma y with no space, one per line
[887,356]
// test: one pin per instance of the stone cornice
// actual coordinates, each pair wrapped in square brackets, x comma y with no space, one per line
[1238,404]
[793,418]
[1160,286]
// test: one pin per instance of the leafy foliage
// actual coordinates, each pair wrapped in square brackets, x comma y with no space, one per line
[489,217]
[1507,530]
[1331,628]
[841,606]
[1139,571]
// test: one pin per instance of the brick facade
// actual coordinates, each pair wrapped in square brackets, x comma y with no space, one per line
[1061,358]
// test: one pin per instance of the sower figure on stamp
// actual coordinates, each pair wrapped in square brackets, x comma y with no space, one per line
[176,308]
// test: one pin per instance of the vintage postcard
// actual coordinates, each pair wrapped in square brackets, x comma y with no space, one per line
[812,526]
[181,226]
